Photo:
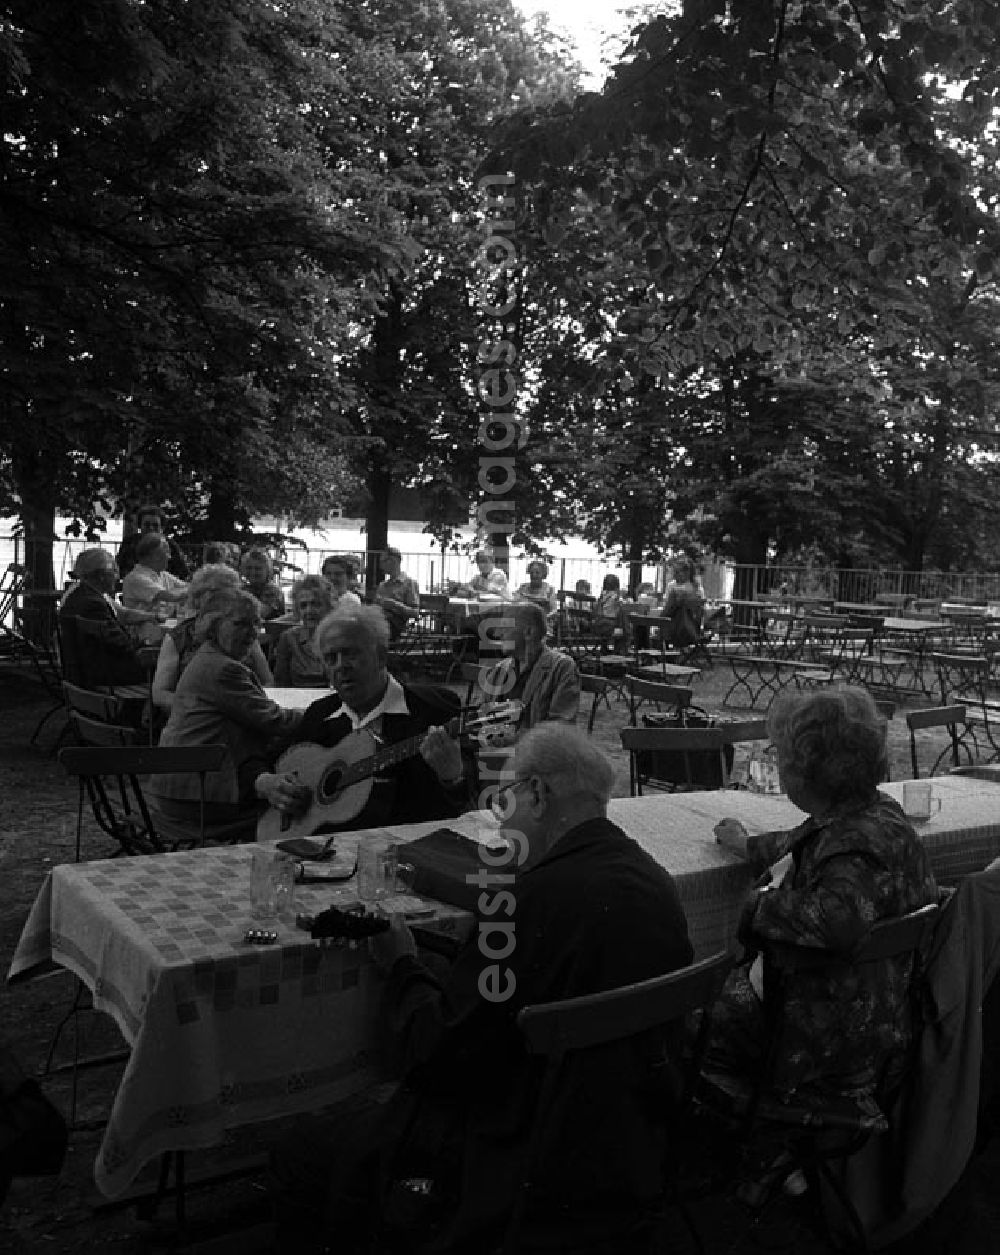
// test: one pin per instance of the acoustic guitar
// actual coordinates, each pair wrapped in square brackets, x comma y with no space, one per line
[340,779]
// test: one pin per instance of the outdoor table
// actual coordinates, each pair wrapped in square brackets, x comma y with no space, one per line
[860,607]
[462,608]
[296,699]
[907,639]
[224,1033]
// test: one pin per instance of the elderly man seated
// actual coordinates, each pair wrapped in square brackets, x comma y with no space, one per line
[149,583]
[489,580]
[435,782]
[397,595]
[96,646]
[587,910]
[545,681]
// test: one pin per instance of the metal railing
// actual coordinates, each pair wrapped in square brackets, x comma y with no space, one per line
[433,572]
[863,584]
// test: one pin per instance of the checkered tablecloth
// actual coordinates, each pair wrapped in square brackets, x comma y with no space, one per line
[224,1033]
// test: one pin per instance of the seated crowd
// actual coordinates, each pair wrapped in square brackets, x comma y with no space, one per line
[593,910]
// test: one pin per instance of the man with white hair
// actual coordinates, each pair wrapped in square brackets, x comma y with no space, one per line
[574,908]
[545,681]
[101,651]
[435,782]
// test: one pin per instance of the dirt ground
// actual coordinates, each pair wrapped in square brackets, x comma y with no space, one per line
[37,830]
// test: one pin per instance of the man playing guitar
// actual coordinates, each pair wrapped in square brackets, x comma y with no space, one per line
[370,710]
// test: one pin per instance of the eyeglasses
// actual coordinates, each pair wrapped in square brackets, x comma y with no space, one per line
[499,804]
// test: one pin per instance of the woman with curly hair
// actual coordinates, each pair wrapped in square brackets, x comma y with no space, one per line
[179,646]
[296,662]
[855,860]
[220,701]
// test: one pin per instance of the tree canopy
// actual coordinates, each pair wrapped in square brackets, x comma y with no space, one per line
[795,201]
[756,275]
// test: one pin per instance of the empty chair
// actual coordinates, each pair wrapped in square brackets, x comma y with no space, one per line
[109,761]
[687,759]
[560,1033]
[671,700]
[110,775]
[952,720]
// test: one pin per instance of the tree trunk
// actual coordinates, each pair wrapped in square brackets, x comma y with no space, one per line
[386,387]
[634,551]
[37,512]
[377,514]
[220,522]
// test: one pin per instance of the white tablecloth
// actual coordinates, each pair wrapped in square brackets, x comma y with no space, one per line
[224,1033]
[296,699]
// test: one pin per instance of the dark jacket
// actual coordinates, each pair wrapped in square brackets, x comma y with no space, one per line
[95,649]
[551,689]
[219,700]
[595,913]
[857,865]
[683,610]
[409,791]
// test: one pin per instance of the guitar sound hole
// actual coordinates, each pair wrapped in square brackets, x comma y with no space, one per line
[329,785]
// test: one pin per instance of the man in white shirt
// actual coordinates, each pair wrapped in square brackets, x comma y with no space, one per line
[491,579]
[336,570]
[149,583]
[435,781]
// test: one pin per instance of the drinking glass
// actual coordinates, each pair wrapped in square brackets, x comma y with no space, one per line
[380,873]
[263,898]
[919,802]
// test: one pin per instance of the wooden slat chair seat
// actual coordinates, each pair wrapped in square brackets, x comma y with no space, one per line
[967,680]
[686,759]
[556,1032]
[952,719]
[819,636]
[109,764]
[675,699]
[823,1127]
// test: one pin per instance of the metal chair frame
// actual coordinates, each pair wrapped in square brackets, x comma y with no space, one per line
[948,717]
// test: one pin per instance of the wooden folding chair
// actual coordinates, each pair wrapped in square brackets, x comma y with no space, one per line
[950,718]
[597,686]
[108,767]
[556,1032]
[686,758]
[674,698]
